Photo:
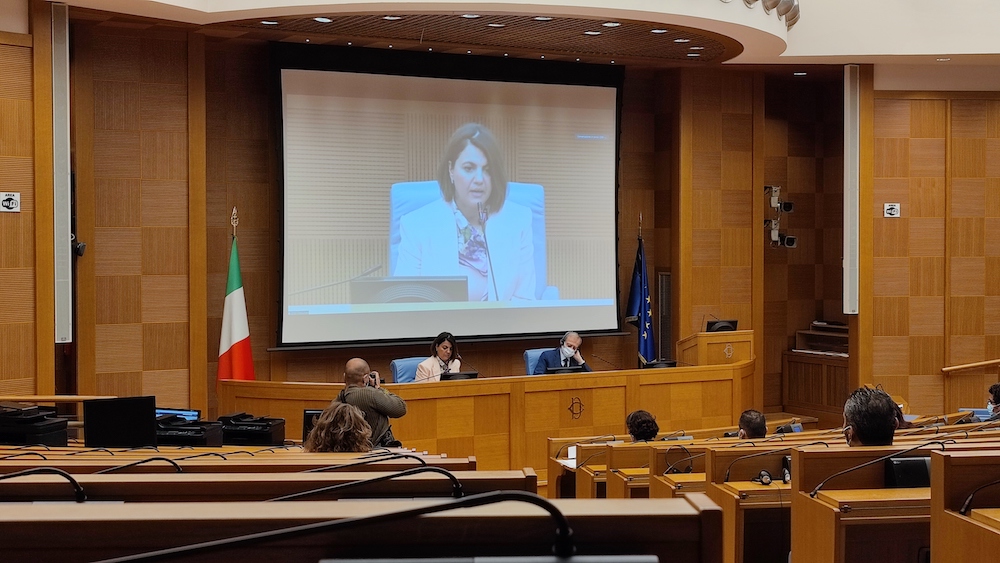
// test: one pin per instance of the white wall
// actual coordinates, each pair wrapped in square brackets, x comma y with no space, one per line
[937,77]
[14,16]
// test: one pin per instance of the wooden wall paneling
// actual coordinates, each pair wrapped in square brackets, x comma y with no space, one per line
[41,32]
[683,210]
[119,290]
[861,326]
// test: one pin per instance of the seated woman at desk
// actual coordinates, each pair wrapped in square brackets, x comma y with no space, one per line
[340,428]
[444,359]
[641,426]
[472,231]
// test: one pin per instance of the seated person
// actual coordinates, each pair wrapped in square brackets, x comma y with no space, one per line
[444,359]
[472,231]
[566,355]
[363,390]
[993,403]
[752,425]
[339,428]
[641,426]
[869,418]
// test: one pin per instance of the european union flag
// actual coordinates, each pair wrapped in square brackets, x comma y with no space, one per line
[640,308]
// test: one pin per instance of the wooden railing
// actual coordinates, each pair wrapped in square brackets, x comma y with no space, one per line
[974,365]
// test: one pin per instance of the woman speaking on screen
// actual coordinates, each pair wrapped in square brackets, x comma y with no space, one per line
[472,231]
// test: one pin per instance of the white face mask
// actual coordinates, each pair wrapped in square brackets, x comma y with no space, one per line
[990,405]
[566,352]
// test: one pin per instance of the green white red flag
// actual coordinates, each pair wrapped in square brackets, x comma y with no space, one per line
[235,358]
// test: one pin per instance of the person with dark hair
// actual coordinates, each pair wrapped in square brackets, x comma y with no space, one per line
[340,428]
[752,425]
[641,426]
[993,403]
[444,359]
[363,390]
[566,355]
[472,231]
[869,418]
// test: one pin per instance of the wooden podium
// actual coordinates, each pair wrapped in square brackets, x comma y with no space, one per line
[715,348]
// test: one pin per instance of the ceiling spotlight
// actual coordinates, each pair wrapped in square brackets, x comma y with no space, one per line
[323,20]
[799,74]
[505,54]
[349,43]
[784,7]
[542,19]
[307,40]
[392,18]
[269,22]
[591,32]
[470,16]
[496,25]
[658,31]
[682,40]
[694,54]
[612,62]
[390,45]
[578,59]
[430,49]
[697,48]
[543,56]
[468,52]
[770,5]
[943,59]
[611,24]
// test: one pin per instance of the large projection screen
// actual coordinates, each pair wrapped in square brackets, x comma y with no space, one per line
[373,248]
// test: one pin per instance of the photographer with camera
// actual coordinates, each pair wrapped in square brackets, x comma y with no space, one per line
[363,390]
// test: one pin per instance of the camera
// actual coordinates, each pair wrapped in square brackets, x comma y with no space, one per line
[788,241]
[786,206]
[372,379]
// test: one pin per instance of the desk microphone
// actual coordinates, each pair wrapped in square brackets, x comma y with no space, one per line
[768,452]
[484,214]
[690,467]
[366,462]
[815,491]
[671,469]
[363,274]
[968,501]
[456,485]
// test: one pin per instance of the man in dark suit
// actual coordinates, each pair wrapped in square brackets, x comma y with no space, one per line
[566,355]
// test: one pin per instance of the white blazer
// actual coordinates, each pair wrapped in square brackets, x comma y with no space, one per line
[428,246]
[430,369]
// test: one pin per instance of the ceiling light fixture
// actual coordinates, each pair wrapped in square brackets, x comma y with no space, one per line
[543,19]
[697,48]
[390,45]
[323,20]
[694,54]
[682,40]
[792,17]
[799,74]
[470,16]
[612,62]
[591,32]
[658,31]
[468,52]
[430,49]
[943,59]
[307,40]
[543,56]
[349,43]
[269,22]
[392,18]
[496,25]
[784,7]
[611,24]
[578,59]
[770,5]
[505,54]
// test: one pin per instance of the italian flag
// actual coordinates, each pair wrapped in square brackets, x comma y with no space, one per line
[235,359]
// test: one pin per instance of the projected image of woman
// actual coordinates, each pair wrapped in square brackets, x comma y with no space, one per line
[472,231]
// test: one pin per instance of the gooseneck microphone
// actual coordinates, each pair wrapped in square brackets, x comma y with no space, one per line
[768,452]
[456,485]
[941,443]
[484,214]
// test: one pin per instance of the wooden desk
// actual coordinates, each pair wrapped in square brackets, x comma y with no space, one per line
[676,530]
[505,421]
[971,537]
[227,487]
[631,482]
[676,485]
[275,464]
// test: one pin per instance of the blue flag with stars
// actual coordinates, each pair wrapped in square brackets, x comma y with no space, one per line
[640,308]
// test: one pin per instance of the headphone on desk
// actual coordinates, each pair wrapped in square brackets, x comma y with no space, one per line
[764,477]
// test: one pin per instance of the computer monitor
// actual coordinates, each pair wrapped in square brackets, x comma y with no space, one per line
[653,364]
[720,325]
[455,375]
[309,420]
[127,422]
[190,415]
[564,369]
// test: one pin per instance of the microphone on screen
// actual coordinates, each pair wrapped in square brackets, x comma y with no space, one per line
[484,214]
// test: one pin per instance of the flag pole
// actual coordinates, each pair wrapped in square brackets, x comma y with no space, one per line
[234,219]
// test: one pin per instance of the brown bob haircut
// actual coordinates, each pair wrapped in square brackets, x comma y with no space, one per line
[480,137]
[340,428]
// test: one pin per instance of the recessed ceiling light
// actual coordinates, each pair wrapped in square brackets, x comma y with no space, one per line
[468,52]
[392,18]
[390,45]
[505,54]
[612,62]
[430,49]
[269,22]
[697,48]
[943,60]
[496,25]
[591,32]
[694,54]
[349,43]
[307,40]
[543,56]
[682,40]
[470,16]
[542,19]
[611,24]
[323,20]
[658,31]
[799,74]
